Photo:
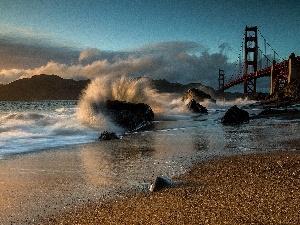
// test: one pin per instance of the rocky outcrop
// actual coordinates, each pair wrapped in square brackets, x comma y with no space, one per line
[131,116]
[290,93]
[235,115]
[197,95]
[160,183]
[195,107]
[108,136]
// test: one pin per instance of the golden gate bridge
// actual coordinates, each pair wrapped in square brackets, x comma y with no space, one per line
[255,62]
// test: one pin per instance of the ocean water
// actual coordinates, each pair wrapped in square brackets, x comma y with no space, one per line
[61,162]
[176,139]
[33,126]
[41,125]
[44,125]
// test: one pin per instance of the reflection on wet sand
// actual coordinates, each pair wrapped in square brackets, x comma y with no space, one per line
[111,162]
[137,158]
[32,184]
[55,180]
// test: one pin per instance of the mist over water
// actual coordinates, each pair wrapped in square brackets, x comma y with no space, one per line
[34,126]
[92,102]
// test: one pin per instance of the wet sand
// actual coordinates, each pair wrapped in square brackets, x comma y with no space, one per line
[248,189]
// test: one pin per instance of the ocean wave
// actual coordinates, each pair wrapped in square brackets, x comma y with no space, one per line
[91,105]
[31,131]
[166,106]
[24,116]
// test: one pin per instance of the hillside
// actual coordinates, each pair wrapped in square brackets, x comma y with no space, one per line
[42,87]
[181,89]
[53,87]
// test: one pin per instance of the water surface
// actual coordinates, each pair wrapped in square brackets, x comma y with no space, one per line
[65,164]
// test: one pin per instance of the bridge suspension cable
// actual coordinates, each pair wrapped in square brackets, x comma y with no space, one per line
[239,65]
[264,57]
[265,48]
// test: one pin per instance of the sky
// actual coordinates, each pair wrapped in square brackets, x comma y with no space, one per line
[181,41]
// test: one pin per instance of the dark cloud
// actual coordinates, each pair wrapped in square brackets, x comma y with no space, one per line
[188,62]
[183,62]
[29,52]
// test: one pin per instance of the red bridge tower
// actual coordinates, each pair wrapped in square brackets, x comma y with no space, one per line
[250,65]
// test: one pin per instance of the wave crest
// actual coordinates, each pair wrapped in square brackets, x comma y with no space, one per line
[138,90]
[24,116]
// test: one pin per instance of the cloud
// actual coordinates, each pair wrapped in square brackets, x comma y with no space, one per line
[170,48]
[7,76]
[224,47]
[89,54]
[188,62]
[24,49]
[183,62]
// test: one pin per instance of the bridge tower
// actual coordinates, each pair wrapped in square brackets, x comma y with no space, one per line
[221,80]
[250,63]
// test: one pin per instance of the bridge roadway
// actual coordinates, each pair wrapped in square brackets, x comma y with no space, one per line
[280,69]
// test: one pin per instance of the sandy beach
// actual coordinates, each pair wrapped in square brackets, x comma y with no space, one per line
[247,189]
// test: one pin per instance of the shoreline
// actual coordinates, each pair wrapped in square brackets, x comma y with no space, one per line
[259,188]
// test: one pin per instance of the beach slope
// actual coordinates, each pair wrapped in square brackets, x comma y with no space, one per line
[247,189]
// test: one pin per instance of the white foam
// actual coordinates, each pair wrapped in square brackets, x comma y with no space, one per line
[122,88]
[24,131]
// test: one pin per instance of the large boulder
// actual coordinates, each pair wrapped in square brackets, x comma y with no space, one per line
[235,115]
[195,107]
[108,136]
[197,95]
[131,116]
[160,183]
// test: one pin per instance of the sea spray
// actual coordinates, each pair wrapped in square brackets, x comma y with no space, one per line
[138,90]
[237,101]
[32,126]
[166,106]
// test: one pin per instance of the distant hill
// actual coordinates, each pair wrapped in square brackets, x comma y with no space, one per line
[53,87]
[42,87]
[166,86]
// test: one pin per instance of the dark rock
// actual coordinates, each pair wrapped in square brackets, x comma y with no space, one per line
[234,115]
[197,95]
[131,116]
[195,107]
[108,136]
[277,112]
[160,183]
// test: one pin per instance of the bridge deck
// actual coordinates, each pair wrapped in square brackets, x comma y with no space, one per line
[281,68]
